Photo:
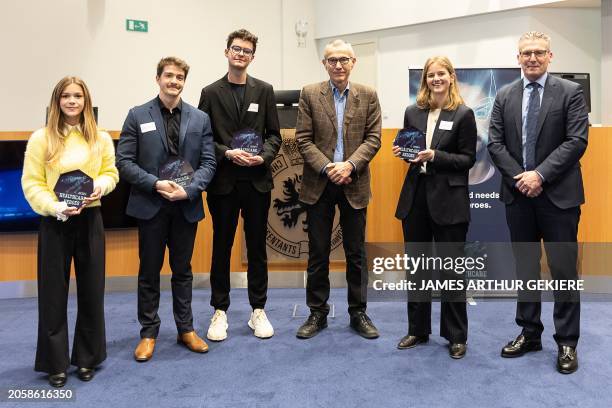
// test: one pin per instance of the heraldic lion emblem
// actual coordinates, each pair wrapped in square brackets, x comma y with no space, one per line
[289,208]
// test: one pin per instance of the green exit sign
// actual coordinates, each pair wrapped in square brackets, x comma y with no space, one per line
[137,25]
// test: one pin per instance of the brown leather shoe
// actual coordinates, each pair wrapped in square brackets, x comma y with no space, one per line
[144,350]
[193,342]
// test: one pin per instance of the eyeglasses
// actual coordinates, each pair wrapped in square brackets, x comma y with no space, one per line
[247,52]
[537,53]
[333,61]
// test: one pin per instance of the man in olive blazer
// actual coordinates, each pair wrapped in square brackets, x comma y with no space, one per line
[338,134]
[316,137]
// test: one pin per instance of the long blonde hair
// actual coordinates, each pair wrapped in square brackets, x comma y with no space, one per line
[424,99]
[56,122]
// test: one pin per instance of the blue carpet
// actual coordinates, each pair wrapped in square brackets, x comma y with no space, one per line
[337,368]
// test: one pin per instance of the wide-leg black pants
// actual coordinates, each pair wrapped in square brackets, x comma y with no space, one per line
[422,233]
[80,238]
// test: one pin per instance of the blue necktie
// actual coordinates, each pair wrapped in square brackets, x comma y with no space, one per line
[340,106]
[533,111]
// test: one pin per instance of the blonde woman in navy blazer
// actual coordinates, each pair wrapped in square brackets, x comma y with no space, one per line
[434,202]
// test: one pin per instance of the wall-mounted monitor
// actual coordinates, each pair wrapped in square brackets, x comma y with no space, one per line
[15,212]
[287,106]
[16,215]
[583,79]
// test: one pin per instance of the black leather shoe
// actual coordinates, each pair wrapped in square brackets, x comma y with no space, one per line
[520,346]
[85,374]
[567,360]
[362,324]
[410,341]
[57,380]
[312,326]
[457,350]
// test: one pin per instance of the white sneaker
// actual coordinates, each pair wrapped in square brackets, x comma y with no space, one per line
[260,324]
[217,331]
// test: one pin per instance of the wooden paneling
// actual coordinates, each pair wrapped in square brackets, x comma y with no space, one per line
[18,251]
[18,257]
[595,228]
[16,135]
[596,217]
[388,174]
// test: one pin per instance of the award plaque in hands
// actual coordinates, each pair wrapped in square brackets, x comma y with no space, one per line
[410,141]
[178,170]
[247,140]
[73,187]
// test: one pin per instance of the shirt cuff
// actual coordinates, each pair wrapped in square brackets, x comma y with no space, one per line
[323,171]
[102,183]
[541,176]
[60,206]
[153,187]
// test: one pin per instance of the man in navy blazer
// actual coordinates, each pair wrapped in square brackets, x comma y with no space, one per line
[538,133]
[162,130]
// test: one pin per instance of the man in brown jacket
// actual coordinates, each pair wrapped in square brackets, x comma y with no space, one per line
[338,134]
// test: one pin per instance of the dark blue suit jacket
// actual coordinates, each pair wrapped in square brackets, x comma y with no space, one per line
[143,149]
[563,127]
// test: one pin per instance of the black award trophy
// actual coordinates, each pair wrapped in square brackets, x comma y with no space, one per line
[178,170]
[410,141]
[247,140]
[73,187]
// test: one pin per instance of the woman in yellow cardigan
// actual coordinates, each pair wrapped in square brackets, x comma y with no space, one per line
[70,141]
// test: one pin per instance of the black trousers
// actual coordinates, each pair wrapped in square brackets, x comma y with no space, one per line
[531,220]
[419,228]
[80,238]
[167,228]
[225,209]
[320,217]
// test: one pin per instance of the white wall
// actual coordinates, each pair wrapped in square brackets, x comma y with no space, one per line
[300,66]
[343,17]
[42,41]
[606,62]
[483,41]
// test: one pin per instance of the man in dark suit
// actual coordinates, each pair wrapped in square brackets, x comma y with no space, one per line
[537,135]
[240,103]
[162,131]
[338,134]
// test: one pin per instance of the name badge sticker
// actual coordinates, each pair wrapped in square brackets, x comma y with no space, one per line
[254,107]
[446,125]
[147,127]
